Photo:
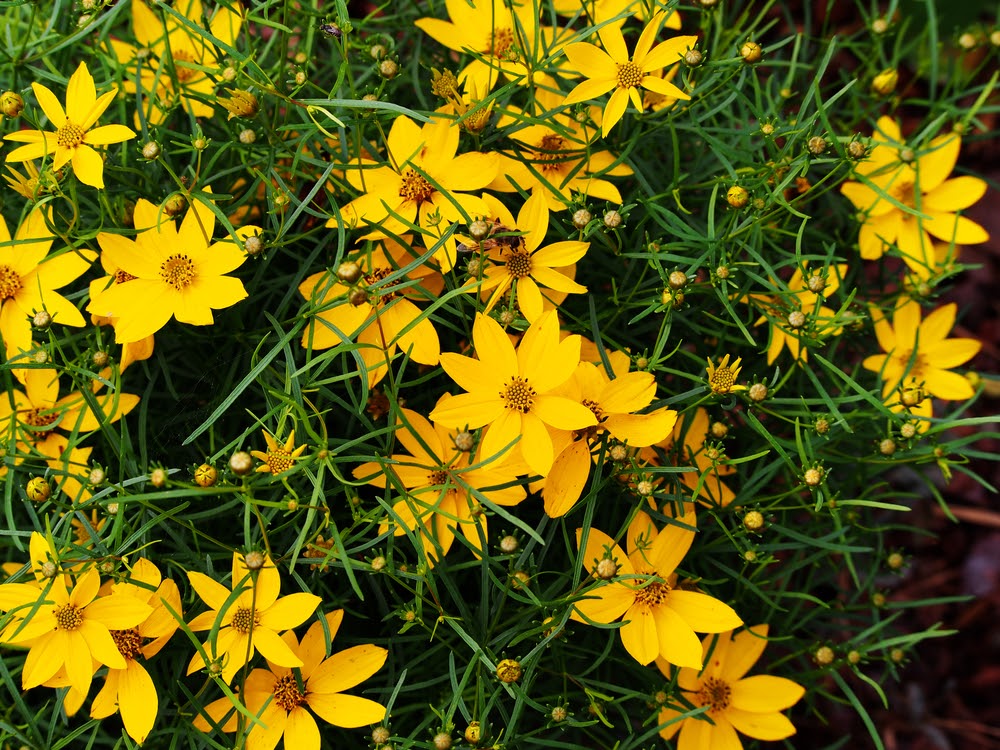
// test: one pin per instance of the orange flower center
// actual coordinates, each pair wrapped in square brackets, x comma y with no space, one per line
[68,617]
[437,478]
[630,75]
[518,395]
[722,380]
[122,276]
[377,275]
[36,418]
[905,193]
[183,72]
[287,694]
[552,153]
[129,642]
[519,263]
[714,693]
[10,282]
[913,363]
[652,594]
[178,271]
[70,135]
[414,187]
[279,460]
[500,41]
[244,618]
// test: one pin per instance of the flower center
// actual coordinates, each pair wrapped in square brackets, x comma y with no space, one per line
[178,271]
[652,594]
[129,642]
[518,395]
[519,264]
[244,618]
[286,693]
[279,460]
[414,187]
[552,156]
[715,694]
[501,40]
[38,418]
[183,72]
[437,478]
[377,275]
[10,282]
[68,617]
[722,380]
[122,276]
[70,135]
[913,363]
[904,192]
[630,75]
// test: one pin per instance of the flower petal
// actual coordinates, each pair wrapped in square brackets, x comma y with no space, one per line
[346,669]
[346,711]
[764,693]
[137,701]
[301,732]
[702,612]
[639,634]
[88,166]
[769,726]
[289,612]
[677,642]
[272,648]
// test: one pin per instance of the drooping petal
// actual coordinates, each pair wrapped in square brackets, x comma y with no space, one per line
[536,444]
[88,166]
[101,645]
[567,478]
[698,734]
[639,634]
[613,110]
[301,730]
[641,430]
[137,701]
[44,659]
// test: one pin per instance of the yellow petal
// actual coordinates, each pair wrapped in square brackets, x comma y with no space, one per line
[272,648]
[346,711]
[953,195]
[289,611]
[88,166]
[346,669]
[702,612]
[639,634]
[80,96]
[764,694]
[567,478]
[613,110]
[137,701]
[301,730]
[698,734]
[934,166]
[766,726]
[50,105]
[677,642]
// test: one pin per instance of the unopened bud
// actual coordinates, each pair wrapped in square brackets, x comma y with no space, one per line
[388,69]
[151,151]
[612,219]
[11,103]
[692,58]
[240,463]
[255,560]
[737,196]
[750,52]
[885,82]
[41,320]
[581,218]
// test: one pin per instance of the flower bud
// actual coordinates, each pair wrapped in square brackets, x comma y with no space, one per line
[247,136]
[240,463]
[388,69]
[816,145]
[349,272]
[824,656]
[753,521]
[151,151]
[885,82]
[175,205]
[750,52]
[757,392]
[509,670]
[581,218]
[612,219]
[255,560]
[474,733]
[158,477]
[11,103]
[606,569]
[38,489]
[692,58]
[253,245]
[241,103]
[41,320]
[737,196]
[206,475]
[677,280]
[509,544]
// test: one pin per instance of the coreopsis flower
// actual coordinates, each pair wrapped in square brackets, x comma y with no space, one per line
[39,414]
[443,479]
[69,628]
[30,184]
[613,69]
[131,690]
[132,351]
[29,277]
[511,390]
[519,263]
[614,11]
[722,377]
[502,37]
[422,183]
[554,157]
[906,198]
[614,403]
[660,619]
[278,458]
[749,705]
[283,701]
[798,318]
[175,63]
[74,134]
[253,620]
[918,352]
[360,300]
[169,272]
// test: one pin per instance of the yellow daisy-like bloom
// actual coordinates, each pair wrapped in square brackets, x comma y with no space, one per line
[283,701]
[278,458]
[906,198]
[722,377]
[919,354]
[171,68]
[444,480]
[511,390]
[175,272]
[423,182]
[358,303]
[614,403]
[70,629]
[614,69]
[799,318]
[660,618]
[251,622]
[131,690]
[553,158]
[750,705]
[29,279]
[75,133]
[606,10]
[30,184]
[519,261]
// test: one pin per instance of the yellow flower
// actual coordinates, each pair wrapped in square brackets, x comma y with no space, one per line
[422,183]
[278,458]
[798,318]
[29,279]
[30,184]
[722,377]
[519,263]
[175,272]
[918,353]
[280,699]
[553,157]
[616,69]
[75,132]
[606,10]
[906,198]
[131,690]
[361,301]
[511,390]
[444,480]
[69,629]
[614,403]
[252,621]
[172,67]
[660,619]
[751,705]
